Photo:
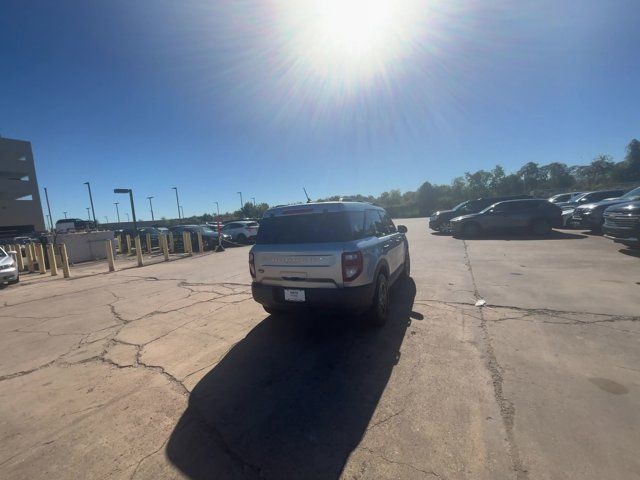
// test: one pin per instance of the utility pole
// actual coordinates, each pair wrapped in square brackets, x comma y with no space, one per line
[151,207]
[177,201]
[117,210]
[46,194]
[241,203]
[91,201]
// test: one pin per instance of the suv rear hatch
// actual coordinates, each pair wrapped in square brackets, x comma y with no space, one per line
[302,249]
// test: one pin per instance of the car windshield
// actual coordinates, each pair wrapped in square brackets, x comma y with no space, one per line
[633,194]
[308,228]
[2,252]
[460,205]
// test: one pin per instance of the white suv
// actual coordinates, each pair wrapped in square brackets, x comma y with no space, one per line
[242,231]
[328,255]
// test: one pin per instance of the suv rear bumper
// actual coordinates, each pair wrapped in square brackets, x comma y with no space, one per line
[348,297]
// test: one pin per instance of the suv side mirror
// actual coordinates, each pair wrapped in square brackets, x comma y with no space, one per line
[402,229]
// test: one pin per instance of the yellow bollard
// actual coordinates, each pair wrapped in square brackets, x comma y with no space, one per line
[187,244]
[19,259]
[200,244]
[165,247]
[30,260]
[172,245]
[109,246]
[139,251]
[42,267]
[129,251]
[65,260]
[118,245]
[52,260]
[149,249]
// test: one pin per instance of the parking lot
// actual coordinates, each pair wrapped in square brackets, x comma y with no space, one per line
[172,371]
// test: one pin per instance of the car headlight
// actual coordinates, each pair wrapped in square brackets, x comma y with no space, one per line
[7,266]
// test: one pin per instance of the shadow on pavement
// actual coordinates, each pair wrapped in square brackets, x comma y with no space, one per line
[554,235]
[293,398]
[630,252]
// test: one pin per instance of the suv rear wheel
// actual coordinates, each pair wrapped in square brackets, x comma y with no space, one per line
[241,238]
[380,309]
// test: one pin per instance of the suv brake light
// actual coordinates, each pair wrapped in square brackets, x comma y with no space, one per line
[351,265]
[252,266]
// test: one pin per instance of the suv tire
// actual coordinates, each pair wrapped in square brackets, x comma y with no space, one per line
[540,227]
[241,238]
[379,311]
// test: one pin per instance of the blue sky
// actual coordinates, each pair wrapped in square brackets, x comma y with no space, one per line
[221,97]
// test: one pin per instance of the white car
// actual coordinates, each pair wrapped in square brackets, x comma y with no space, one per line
[242,231]
[8,268]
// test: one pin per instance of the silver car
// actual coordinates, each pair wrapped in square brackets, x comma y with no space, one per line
[8,268]
[328,255]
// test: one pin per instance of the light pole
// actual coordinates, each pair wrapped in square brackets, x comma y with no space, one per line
[254,201]
[151,207]
[49,217]
[91,201]
[127,214]
[219,248]
[88,214]
[177,201]
[181,209]
[241,204]
[106,219]
[46,194]
[133,208]
[217,209]
[117,210]
[65,214]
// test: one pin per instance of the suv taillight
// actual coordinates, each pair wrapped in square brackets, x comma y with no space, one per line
[252,266]
[351,265]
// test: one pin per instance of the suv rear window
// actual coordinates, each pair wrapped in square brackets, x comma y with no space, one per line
[311,228]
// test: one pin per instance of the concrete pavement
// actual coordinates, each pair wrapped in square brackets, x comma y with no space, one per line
[172,371]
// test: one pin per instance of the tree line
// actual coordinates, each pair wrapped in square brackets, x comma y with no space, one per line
[531,178]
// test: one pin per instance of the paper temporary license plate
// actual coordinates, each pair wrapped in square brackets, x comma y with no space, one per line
[291,295]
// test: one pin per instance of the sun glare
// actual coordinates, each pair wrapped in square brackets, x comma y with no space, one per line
[348,40]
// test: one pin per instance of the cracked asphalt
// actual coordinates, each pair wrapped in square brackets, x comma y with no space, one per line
[172,371]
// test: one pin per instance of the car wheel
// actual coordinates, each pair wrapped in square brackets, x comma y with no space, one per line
[241,238]
[471,230]
[406,271]
[540,227]
[380,309]
[13,282]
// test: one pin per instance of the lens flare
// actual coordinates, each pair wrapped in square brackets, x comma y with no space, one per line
[348,41]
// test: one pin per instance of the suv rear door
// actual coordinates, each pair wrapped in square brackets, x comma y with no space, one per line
[395,241]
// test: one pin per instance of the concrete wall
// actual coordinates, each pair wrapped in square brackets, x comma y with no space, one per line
[18,180]
[84,247]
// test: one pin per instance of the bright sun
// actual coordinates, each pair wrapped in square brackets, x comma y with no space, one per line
[348,40]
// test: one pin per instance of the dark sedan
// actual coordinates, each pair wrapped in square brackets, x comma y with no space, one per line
[537,216]
[591,215]
[439,221]
[622,224]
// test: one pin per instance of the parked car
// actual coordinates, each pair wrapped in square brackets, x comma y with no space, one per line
[591,215]
[590,197]
[440,220]
[622,224]
[535,215]
[153,232]
[209,237]
[8,268]
[328,255]
[564,197]
[241,231]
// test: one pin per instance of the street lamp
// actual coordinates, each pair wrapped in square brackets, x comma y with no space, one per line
[106,219]
[65,214]
[88,214]
[91,201]
[117,210]
[241,203]
[181,209]
[133,208]
[254,201]
[127,214]
[177,201]
[219,248]
[151,207]
[46,194]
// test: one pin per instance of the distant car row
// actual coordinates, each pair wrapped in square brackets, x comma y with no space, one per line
[616,213]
